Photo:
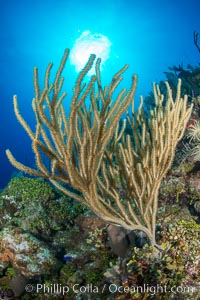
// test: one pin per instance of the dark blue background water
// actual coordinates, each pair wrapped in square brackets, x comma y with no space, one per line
[149,35]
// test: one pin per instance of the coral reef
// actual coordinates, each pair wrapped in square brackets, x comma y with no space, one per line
[121,171]
[82,252]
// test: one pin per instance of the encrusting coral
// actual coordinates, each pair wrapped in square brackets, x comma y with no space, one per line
[89,152]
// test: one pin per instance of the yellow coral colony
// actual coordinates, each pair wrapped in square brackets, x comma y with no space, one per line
[90,152]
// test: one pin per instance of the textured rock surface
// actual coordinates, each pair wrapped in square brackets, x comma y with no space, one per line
[27,254]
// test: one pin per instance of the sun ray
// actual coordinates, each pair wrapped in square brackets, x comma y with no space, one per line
[87,44]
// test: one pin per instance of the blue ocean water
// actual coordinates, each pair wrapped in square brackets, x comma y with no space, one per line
[148,35]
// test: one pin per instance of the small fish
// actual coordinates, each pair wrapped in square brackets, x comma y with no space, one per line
[67,258]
